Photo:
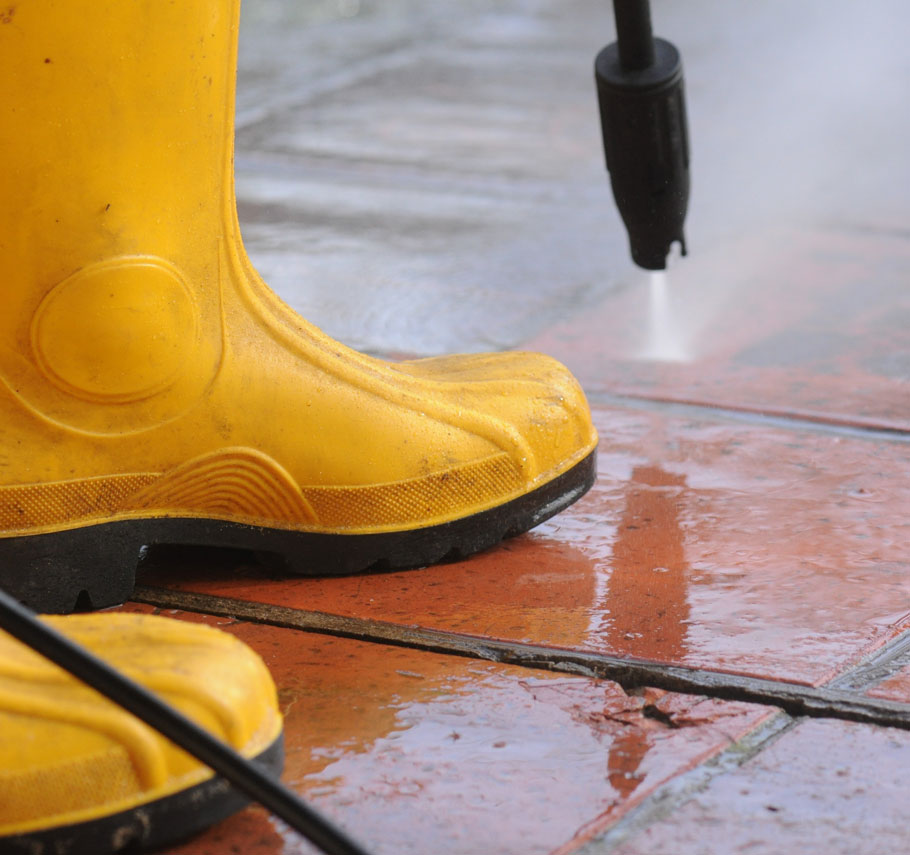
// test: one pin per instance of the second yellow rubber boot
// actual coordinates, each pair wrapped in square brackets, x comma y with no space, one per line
[153,390]
[80,775]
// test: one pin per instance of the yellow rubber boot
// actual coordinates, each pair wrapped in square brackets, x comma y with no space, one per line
[153,390]
[80,775]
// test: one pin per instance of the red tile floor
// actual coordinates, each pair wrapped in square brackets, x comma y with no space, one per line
[763,552]
[710,653]
[749,551]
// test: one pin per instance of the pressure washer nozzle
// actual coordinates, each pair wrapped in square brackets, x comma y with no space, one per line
[643,115]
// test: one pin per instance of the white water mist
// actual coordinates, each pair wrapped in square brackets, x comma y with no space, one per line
[666,341]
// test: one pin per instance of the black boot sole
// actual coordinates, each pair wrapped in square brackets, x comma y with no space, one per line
[94,566]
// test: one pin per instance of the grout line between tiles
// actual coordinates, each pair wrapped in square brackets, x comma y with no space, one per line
[794,699]
[876,667]
[829,425]
[314,167]
[673,794]
[303,92]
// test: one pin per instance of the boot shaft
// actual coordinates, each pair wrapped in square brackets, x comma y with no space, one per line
[116,143]
[116,134]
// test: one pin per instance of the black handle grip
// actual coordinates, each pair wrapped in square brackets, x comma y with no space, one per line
[646,142]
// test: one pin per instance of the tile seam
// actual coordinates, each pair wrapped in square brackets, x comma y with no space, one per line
[756,417]
[795,699]
[876,667]
[659,805]
[302,94]
[321,169]
[674,793]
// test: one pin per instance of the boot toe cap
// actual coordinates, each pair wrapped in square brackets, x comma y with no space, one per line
[532,395]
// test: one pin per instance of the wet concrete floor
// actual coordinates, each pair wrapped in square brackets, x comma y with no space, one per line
[418,178]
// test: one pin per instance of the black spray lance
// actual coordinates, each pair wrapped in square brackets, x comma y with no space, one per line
[643,114]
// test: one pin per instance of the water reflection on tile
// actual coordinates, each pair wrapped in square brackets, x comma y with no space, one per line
[415,752]
[647,588]
[711,544]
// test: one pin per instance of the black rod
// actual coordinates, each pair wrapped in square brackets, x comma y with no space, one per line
[22,623]
[633,33]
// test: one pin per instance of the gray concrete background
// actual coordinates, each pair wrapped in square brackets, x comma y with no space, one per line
[424,176]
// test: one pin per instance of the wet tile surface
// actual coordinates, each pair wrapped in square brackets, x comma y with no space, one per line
[812,324]
[711,544]
[830,787]
[415,752]
[414,178]
[421,178]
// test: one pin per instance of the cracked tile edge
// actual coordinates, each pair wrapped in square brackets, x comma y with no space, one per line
[875,667]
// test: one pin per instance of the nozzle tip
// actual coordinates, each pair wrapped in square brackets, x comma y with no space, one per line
[652,255]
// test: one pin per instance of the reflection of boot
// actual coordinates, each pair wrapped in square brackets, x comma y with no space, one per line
[152,390]
[81,775]
[648,595]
